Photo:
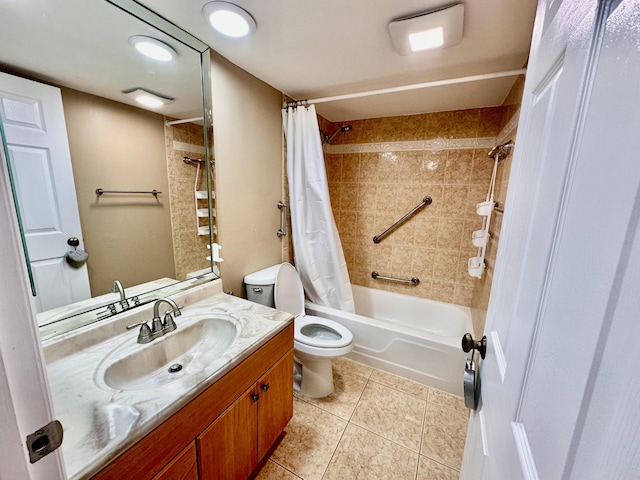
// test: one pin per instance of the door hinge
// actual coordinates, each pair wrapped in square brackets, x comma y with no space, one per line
[44,441]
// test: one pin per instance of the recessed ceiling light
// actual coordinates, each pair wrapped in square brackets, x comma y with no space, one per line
[436,28]
[147,98]
[153,48]
[229,19]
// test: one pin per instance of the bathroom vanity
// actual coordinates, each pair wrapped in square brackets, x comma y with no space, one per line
[231,425]
[125,415]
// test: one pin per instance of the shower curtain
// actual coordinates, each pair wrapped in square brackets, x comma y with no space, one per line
[317,250]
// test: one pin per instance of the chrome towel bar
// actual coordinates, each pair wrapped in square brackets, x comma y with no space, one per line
[415,281]
[154,192]
[425,201]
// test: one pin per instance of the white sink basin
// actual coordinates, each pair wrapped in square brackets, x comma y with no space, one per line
[197,343]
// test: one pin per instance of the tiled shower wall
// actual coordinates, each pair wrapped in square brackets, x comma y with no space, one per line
[383,168]
[190,249]
[482,287]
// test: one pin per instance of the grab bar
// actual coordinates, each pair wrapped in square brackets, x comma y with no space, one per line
[283,220]
[154,192]
[415,281]
[425,201]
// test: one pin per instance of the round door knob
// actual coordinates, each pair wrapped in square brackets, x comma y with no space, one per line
[468,344]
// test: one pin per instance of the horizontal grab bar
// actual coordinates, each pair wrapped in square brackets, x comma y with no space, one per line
[154,192]
[425,201]
[415,281]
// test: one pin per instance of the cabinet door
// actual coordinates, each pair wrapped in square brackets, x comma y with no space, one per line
[227,448]
[183,467]
[275,407]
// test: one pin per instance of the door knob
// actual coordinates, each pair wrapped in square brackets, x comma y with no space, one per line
[468,344]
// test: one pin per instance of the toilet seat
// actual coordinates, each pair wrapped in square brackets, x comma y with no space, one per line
[329,338]
[322,339]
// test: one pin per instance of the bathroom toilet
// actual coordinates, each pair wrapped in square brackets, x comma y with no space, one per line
[316,340]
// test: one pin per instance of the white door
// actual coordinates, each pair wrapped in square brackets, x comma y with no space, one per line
[558,396]
[36,136]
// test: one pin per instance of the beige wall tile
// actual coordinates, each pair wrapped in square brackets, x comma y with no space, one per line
[381,187]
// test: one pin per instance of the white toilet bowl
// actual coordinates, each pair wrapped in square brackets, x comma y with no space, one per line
[316,340]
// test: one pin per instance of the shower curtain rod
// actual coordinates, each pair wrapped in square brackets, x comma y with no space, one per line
[416,86]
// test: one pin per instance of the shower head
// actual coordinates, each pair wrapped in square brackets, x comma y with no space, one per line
[344,128]
[501,151]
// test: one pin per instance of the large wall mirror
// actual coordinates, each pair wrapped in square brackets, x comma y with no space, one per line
[136,189]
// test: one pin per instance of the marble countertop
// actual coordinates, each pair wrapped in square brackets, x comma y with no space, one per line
[101,422]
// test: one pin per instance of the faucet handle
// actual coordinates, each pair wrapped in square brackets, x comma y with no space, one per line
[134,325]
[168,325]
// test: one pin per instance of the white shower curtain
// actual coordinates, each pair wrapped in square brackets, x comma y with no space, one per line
[318,253]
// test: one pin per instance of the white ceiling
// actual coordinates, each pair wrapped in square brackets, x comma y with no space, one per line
[317,48]
[304,48]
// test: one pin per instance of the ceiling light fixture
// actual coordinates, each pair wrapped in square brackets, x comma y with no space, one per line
[153,48]
[424,31]
[229,19]
[147,98]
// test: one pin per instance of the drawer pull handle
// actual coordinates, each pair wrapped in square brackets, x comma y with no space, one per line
[255,396]
[265,387]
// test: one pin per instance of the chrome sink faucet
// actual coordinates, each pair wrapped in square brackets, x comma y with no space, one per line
[118,288]
[158,327]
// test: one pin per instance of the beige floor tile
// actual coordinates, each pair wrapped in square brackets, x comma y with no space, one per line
[448,400]
[365,455]
[430,470]
[399,383]
[444,435]
[342,402]
[272,471]
[345,366]
[310,439]
[392,414]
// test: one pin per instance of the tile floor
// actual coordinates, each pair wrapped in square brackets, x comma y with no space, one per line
[374,426]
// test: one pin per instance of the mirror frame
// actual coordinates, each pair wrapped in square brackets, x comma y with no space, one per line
[68,323]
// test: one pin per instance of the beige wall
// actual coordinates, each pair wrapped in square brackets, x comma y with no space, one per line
[117,147]
[373,183]
[248,151]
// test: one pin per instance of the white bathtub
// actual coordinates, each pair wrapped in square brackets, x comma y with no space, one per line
[408,336]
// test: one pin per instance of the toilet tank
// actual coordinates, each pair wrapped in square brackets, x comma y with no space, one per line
[260,285]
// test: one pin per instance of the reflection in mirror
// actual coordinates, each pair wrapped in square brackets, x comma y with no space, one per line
[136,242]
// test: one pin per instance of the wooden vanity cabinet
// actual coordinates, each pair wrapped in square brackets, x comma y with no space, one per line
[234,444]
[226,429]
[183,467]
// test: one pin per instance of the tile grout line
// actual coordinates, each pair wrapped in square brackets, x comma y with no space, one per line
[344,431]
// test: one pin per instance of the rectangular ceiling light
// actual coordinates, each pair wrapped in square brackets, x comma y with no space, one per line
[424,31]
[148,99]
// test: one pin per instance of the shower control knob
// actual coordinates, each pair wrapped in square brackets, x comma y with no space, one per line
[468,344]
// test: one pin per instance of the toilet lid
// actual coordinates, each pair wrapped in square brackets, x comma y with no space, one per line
[321,332]
[288,293]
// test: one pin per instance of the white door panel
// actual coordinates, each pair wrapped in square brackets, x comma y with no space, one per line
[570,220]
[33,119]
